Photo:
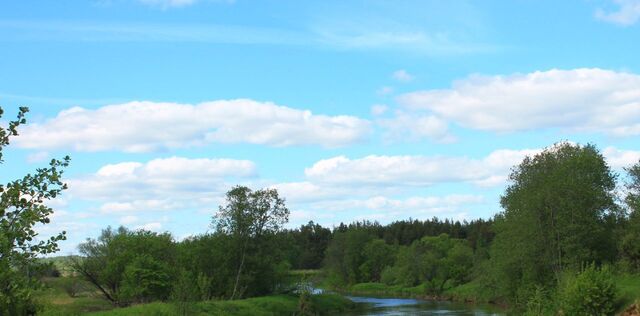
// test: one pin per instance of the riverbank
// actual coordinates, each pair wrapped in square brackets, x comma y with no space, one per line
[58,301]
[628,293]
[468,293]
[321,304]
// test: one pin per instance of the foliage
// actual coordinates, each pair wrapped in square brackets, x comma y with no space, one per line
[128,266]
[630,244]
[345,255]
[558,213]
[250,218]
[21,208]
[377,255]
[435,261]
[71,285]
[591,292]
[309,243]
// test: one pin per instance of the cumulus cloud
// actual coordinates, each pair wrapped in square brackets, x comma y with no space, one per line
[151,126]
[405,126]
[160,184]
[618,158]
[402,75]
[416,170]
[627,13]
[592,100]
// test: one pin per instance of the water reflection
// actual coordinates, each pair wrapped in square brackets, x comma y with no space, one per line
[396,306]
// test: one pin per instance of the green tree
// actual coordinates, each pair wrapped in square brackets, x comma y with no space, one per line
[377,256]
[345,255]
[128,266]
[22,206]
[435,261]
[248,217]
[591,292]
[558,214]
[630,244]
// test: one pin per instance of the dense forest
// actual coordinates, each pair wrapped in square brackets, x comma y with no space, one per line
[569,226]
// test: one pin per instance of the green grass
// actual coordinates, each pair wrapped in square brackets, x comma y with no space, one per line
[56,302]
[628,288]
[325,304]
[469,292]
[381,289]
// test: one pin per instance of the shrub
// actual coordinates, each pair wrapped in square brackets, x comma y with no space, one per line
[71,285]
[591,292]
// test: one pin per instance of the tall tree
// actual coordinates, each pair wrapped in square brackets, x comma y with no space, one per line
[247,216]
[22,206]
[630,244]
[557,212]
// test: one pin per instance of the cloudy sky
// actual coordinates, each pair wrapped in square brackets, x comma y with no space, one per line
[381,110]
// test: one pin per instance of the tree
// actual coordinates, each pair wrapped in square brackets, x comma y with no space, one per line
[345,255]
[128,266]
[558,211]
[435,261]
[22,206]
[249,216]
[630,244]
[377,256]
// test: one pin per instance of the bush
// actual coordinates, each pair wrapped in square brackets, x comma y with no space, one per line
[591,292]
[539,303]
[71,285]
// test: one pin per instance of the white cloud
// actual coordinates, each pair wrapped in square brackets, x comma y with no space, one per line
[430,204]
[404,126]
[415,170]
[153,226]
[383,91]
[379,109]
[36,157]
[402,75]
[579,100]
[166,4]
[128,220]
[628,13]
[160,184]
[618,158]
[150,126]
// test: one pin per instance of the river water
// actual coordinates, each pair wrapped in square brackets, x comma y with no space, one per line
[400,306]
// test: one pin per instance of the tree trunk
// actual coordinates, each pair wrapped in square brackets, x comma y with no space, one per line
[235,286]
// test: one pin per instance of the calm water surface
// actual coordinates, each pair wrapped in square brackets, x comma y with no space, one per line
[399,306]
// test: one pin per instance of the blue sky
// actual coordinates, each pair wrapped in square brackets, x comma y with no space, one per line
[353,109]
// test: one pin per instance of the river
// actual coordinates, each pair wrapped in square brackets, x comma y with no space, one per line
[402,306]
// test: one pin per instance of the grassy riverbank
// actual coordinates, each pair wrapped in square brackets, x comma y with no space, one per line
[470,292]
[323,304]
[628,290]
[57,302]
